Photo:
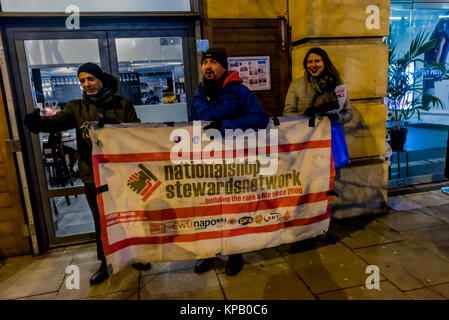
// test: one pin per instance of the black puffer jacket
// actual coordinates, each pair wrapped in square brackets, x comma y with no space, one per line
[77,112]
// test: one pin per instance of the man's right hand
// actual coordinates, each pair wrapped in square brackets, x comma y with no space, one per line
[107,120]
[33,121]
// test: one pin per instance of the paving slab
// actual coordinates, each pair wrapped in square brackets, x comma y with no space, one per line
[407,265]
[123,295]
[400,203]
[127,279]
[387,291]
[436,239]
[329,268]
[438,212]
[32,276]
[356,235]
[408,220]
[268,282]
[425,294]
[46,296]
[252,259]
[181,285]
[442,289]
[164,267]
[429,198]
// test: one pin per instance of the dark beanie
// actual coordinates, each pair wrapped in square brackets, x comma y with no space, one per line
[219,54]
[93,69]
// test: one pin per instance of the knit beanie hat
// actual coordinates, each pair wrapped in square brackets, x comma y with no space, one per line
[93,69]
[219,54]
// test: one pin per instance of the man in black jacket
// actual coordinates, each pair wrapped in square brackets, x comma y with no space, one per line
[99,103]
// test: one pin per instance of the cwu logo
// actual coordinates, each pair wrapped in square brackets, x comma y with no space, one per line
[143,182]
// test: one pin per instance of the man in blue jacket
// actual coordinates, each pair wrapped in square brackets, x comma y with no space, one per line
[224,100]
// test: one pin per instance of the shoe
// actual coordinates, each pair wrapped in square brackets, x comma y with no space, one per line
[302,245]
[142,266]
[203,265]
[99,276]
[445,190]
[234,265]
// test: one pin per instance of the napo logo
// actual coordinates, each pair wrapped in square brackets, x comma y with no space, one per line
[287,216]
[258,218]
[245,220]
[204,224]
[272,217]
[232,220]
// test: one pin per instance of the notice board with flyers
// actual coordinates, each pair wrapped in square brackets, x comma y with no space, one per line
[255,71]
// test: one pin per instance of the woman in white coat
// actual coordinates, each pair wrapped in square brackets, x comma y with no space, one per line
[315,93]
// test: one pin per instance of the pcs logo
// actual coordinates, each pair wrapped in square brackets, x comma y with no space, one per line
[245,220]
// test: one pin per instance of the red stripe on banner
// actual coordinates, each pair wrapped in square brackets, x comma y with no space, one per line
[180,213]
[165,156]
[212,234]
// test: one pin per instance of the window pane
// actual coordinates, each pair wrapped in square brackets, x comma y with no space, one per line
[152,77]
[95,6]
[52,67]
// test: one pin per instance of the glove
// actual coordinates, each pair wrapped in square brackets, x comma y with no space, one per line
[33,121]
[326,102]
[332,116]
[215,124]
[107,120]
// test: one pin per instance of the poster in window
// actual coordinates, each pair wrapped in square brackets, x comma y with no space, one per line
[255,71]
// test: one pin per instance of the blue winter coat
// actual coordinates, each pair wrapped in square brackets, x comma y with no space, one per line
[236,106]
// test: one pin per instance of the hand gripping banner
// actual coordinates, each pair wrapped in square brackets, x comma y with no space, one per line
[173,193]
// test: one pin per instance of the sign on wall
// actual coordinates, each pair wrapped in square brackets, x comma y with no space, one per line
[255,71]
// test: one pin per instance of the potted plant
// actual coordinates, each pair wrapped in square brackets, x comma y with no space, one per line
[405,93]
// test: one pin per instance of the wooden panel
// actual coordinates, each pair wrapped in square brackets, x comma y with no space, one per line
[3,185]
[5,199]
[243,23]
[2,170]
[6,228]
[11,209]
[256,37]
[246,35]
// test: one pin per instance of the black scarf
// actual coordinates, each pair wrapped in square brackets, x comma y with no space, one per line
[108,90]
[212,87]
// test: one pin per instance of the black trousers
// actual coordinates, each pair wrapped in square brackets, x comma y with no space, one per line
[91,195]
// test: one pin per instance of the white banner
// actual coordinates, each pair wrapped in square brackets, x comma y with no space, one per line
[173,194]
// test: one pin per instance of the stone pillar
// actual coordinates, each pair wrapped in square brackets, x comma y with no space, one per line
[351,31]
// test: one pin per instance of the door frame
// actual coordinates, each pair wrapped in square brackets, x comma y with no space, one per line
[14,33]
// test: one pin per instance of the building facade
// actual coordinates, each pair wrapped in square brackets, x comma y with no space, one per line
[155,55]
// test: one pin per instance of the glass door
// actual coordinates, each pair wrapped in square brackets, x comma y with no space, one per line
[50,81]
[150,68]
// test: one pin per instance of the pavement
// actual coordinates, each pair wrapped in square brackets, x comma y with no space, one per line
[408,245]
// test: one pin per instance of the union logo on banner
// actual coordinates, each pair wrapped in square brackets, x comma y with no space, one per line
[143,182]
